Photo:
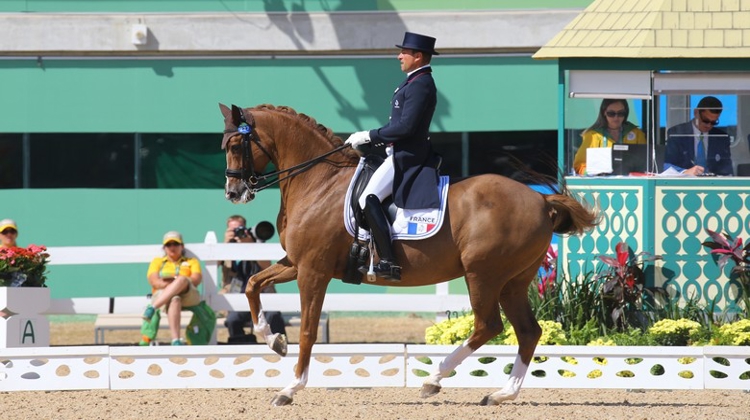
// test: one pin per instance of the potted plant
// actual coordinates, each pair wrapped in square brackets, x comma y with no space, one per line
[23,297]
[23,267]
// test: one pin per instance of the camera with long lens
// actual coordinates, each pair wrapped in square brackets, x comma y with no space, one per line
[263,231]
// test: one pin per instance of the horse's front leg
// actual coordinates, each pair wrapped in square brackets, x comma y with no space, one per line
[280,272]
[312,287]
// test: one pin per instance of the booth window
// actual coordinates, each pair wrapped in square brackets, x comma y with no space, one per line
[11,161]
[658,101]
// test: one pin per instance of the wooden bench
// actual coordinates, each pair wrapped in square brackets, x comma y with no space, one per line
[113,322]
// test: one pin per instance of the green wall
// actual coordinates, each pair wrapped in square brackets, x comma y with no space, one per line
[345,94]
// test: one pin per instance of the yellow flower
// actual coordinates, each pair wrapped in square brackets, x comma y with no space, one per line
[736,333]
[552,334]
[670,332]
[601,342]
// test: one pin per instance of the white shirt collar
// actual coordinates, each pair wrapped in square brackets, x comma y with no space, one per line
[414,71]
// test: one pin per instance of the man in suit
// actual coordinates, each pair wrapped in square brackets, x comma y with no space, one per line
[697,146]
[409,173]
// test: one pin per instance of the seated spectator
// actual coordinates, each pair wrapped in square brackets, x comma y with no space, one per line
[697,147]
[8,233]
[173,279]
[611,127]
[8,236]
[236,275]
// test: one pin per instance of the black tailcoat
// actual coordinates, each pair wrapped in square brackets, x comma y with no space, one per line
[415,173]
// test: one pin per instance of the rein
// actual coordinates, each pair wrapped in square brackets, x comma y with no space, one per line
[248,176]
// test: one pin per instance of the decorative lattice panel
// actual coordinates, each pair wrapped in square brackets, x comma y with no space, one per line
[332,365]
[48,368]
[682,214]
[623,219]
[574,367]
[370,365]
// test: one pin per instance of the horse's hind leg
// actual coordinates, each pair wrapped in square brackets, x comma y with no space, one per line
[515,302]
[487,325]
[280,272]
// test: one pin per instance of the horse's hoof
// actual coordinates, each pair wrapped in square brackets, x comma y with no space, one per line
[281,400]
[488,400]
[428,390]
[279,345]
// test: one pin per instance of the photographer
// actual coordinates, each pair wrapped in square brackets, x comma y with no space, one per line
[237,273]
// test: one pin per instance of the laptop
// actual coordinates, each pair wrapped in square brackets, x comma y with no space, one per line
[627,158]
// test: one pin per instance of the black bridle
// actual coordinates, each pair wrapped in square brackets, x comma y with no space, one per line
[247,174]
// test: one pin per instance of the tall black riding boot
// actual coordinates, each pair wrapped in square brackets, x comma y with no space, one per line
[381,233]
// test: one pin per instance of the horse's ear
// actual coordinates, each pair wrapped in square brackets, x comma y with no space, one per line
[224,110]
[236,115]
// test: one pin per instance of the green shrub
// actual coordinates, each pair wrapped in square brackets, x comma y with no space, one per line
[585,335]
[631,337]
[573,303]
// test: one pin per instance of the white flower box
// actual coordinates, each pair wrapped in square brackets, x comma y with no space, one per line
[24,300]
[22,324]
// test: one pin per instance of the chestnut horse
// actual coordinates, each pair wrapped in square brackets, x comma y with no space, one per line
[496,234]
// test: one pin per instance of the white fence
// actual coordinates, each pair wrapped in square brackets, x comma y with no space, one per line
[210,252]
[369,365]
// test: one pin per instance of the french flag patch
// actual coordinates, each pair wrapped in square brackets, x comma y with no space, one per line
[420,228]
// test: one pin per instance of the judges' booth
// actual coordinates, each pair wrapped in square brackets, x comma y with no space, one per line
[644,200]
[663,59]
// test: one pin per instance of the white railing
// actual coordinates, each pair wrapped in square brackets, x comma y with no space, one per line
[369,365]
[211,253]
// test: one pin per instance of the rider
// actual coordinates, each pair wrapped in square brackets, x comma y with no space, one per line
[409,173]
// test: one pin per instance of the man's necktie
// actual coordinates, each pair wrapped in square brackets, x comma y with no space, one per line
[700,153]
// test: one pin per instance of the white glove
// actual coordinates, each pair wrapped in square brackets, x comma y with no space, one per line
[357,139]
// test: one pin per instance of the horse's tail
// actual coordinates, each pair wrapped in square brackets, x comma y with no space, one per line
[570,216]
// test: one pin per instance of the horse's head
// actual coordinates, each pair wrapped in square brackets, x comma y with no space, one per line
[245,155]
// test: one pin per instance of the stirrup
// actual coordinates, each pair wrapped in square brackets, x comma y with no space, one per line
[384,269]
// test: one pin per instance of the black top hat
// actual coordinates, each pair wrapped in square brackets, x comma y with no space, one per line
[419,42]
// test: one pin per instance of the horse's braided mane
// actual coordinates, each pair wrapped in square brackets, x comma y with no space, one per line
[306,119]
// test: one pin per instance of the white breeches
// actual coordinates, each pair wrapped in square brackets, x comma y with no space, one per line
[381,183]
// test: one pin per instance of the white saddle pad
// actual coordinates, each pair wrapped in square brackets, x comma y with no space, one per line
[410,224]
